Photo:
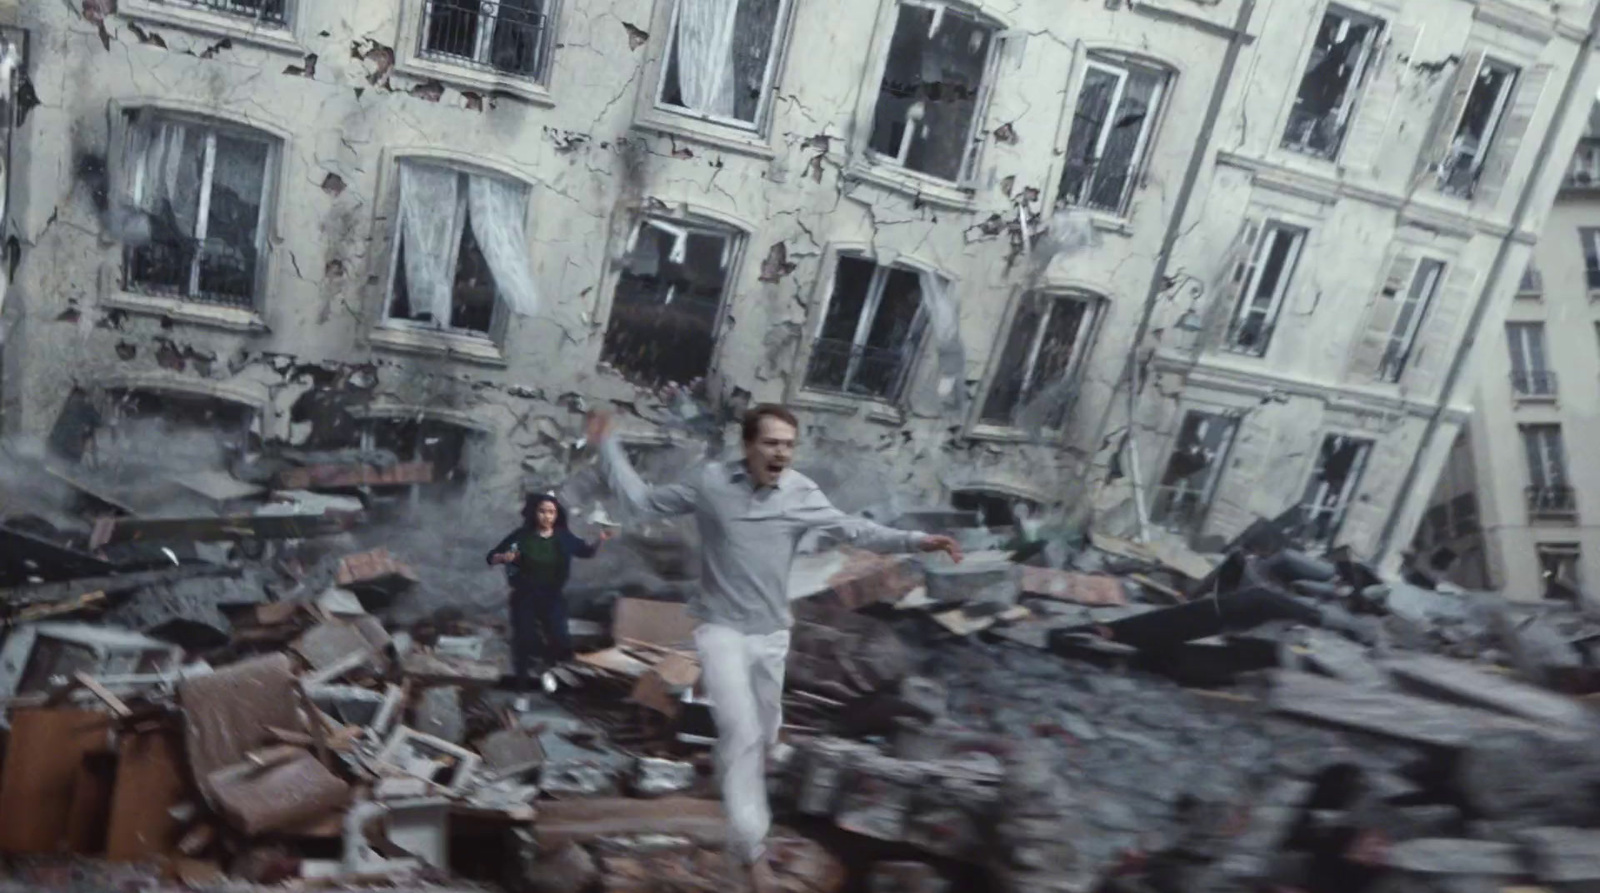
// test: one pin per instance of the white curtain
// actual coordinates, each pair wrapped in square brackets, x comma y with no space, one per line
[430,227]
[163,163]
[496,210]
[705,54]
[944,319]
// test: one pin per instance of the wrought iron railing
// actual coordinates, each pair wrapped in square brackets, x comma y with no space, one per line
[1534,384]
[846,368]
[486,34]
[1552,500]
[272,12]
[1096,185]
[227,274]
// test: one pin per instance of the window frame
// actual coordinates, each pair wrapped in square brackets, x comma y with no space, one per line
[1123,68]
[1082,344]
[1214,472]
[150,115]
[1589,238]
[1502,103]
[1340,513]
[736,240]
[980,114]
[1562,552]
[501,313]
[1260,253]
[484,43]
[769,84]
[869,309]
[1397,352]
[1550,470]
[1522,336]
[1345,114]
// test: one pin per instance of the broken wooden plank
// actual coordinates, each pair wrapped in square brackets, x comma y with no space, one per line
[152,779]
[346,476]
[228,529]
[589,819]
[114,703]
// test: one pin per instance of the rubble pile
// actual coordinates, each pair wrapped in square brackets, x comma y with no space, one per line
[1065,717]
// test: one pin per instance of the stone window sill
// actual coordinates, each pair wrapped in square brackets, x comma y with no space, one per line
[272,37]
[926,189]
[721,136]
[487,83]
[233,319]
[1006,434]
[876,410]
[431,342]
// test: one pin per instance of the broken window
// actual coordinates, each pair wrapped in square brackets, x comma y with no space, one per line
[1410,311]
[1044,348]
[1265,284]
[994,509]
[1532,283]
[161,425]
[1111,132]
[508,36]
[930,102]
[1436,526]
[722,59]
[869,332]
[1485,107]
[1326,99]
[1560,566]
[668,297]
[1193,470]
[420,439]
[461,249]
[1548,491]
[1530,376]
[275,12]
[202,188]
[1590,236]
[1333,484]
[1464,515]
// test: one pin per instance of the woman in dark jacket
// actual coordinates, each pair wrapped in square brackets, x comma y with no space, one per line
[538,558]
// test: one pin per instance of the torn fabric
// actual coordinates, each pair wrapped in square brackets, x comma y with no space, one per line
[944,317]
[496,215]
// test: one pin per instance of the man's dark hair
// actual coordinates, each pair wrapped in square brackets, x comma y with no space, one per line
[751,426]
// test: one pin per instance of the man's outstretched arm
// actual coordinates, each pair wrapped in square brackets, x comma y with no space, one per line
[816,512]
[641,498]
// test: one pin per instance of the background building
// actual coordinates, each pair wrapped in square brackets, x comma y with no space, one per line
[445,230]
[1526,488]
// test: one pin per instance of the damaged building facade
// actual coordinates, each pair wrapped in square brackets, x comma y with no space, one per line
[951,234]
[1509,513]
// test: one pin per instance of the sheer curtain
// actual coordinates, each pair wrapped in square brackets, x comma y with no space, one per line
[162,164]
[431,229]
[944,319]
[496,208]
[705,54]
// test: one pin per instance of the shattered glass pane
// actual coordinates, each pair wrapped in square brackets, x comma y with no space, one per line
[1321,108]
[1110,130]
[928,102]
[1186,487]
[1037,360]
[664,313]
[870,332]
[1485,105]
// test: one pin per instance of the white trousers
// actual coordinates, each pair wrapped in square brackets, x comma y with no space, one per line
[743,678]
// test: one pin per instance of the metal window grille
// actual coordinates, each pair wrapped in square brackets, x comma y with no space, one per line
[272,12]
[511,38]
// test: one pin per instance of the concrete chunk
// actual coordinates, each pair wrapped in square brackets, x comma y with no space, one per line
[999,582]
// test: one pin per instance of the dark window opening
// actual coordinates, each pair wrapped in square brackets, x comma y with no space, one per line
[1189,482]
[1469,147]
[664,314]
[164,429]
[445,446]
[1531,375]
[1265,288]
[510,36]
[202,191]
[1560,566]
[928,103]
[1464,514]
[1042,350]
[870,332]
[1326,97]
[994,509]
[720,71]
[1332,487]
[1411,308]
[1590,236]
[1111,133]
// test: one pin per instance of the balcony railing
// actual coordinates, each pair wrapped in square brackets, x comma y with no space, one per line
[486,34]
[847,368]
[1534,384]
[1099,185]
[1552,501]
[227,273]
[271,12]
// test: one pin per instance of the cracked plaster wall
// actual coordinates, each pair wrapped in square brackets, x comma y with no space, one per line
[345,112]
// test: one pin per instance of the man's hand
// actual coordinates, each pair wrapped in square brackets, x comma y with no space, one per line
[942,544]
[597,427]
[606,533]
[502,558]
